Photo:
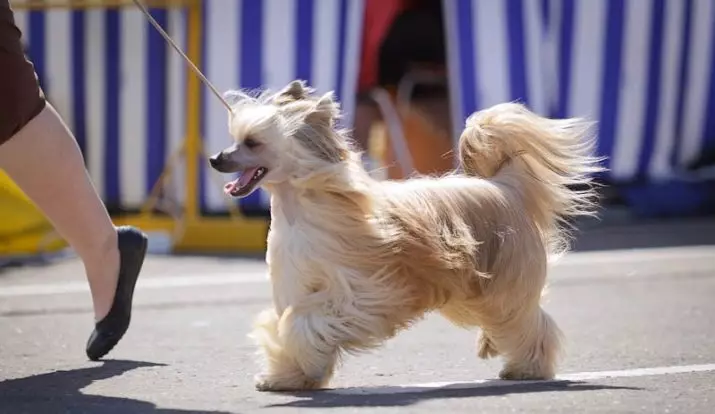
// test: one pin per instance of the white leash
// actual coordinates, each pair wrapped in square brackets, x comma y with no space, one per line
[188,61]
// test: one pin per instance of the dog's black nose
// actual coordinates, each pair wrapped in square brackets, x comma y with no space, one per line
[215,160]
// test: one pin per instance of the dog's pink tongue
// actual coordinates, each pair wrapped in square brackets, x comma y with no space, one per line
[246,176]
[241,182]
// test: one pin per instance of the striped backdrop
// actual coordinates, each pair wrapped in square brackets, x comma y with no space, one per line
[644,69]
[121,88]
[110,76]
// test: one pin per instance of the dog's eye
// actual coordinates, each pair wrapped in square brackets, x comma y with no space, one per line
[250,143]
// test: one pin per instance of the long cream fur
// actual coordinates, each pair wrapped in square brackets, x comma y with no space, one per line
[353,260]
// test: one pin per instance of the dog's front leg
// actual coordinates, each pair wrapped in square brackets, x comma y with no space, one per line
[298,352]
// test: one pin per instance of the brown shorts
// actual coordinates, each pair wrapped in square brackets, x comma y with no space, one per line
[21,97]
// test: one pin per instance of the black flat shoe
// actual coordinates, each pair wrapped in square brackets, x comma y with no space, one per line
[107,332]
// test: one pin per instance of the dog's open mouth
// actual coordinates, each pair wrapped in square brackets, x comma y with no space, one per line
[243,185]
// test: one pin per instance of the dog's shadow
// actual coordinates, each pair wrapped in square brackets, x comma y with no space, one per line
[404,396]
[60,391]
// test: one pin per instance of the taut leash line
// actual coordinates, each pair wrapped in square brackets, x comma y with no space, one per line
[188,61]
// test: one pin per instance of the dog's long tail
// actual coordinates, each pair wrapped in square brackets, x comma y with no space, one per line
[549,162]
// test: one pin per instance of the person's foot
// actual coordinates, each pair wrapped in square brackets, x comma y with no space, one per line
[107,332]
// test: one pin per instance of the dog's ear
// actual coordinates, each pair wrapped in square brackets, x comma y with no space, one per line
[320,118]
[326,111]
[295,91]
[234,96]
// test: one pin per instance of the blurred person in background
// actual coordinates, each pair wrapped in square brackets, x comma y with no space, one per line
[398,37]
[40,154]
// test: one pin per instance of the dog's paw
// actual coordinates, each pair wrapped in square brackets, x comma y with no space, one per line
[263,383]
[515,374]
[266,383]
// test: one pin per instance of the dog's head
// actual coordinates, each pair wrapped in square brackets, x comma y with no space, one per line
[279,137]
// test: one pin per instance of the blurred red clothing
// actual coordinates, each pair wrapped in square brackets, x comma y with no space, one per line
[379,15]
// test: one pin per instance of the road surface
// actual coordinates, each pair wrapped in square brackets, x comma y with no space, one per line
[639,323]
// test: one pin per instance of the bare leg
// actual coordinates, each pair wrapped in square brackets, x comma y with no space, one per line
[40,154]
[44,160]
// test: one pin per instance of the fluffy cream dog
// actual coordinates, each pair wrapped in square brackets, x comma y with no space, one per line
[353,260]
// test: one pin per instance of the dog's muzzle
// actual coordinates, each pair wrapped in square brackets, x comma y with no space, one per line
[221,163]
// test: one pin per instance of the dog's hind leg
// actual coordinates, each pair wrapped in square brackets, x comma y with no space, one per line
[523,334]
[465,314]
[530,342]
[297,355]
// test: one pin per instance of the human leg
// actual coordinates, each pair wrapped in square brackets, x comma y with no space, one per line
[45,162]
[39,153]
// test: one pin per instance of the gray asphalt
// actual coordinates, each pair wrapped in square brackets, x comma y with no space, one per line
[621,309]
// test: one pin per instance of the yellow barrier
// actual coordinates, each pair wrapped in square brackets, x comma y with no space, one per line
[24,230]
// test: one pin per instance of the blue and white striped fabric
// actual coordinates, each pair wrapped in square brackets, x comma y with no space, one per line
[644,69]
[121,88]
[266,44]
[496,53]
[111,76]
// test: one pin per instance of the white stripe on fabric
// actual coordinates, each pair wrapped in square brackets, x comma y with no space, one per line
[632,102]
[454,70]
[325,43]
[537,53]
[132,107]
[222,65]
[58,38]
[352,60]
[552,42]
[279,43]
[659,167]
[589,37]
[492,52]
[278,55]
[95,97]
[176,104]
[703,34]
